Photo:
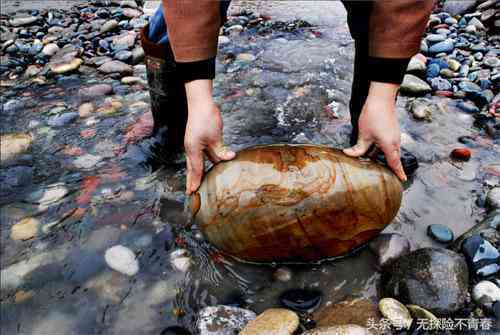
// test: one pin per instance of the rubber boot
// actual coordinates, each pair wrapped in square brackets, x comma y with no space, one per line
[168,96]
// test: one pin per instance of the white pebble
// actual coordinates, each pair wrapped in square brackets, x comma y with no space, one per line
[122,259]
[485,293]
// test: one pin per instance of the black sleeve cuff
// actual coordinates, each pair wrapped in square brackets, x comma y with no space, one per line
[387,70]
[203,69]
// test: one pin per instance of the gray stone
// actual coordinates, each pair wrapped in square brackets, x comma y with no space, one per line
[445,46]
[223,320]
[458,7]
[435,279]
[123,55]
[86,161]
[416,65]
[63,119]
[413,85]
[22,21]
[116,67]
[109,26]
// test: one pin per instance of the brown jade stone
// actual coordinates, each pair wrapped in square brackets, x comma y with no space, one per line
[294,203]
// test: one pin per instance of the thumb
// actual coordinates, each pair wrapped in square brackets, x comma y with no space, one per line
[220,152]
[359,149]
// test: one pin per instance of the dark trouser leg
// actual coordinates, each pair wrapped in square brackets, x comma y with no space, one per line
[358,16]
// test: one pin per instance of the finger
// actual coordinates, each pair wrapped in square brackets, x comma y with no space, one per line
[195,172]
[188,173]
[393,158]
[220,152]
[359,149]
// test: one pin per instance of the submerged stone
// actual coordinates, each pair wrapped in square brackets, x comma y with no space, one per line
[122,259]
[440,233]
[301,300]
[273,321]
[223,320]
[25,229]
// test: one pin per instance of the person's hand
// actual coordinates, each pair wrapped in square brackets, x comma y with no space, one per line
[378,125]
[203,132]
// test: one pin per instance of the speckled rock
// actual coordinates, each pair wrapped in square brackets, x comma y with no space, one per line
[354,311]
[273,321]
[433,278]
[395,312]
[223,320]
[414,86]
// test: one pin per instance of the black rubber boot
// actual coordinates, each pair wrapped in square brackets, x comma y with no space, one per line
[168,97]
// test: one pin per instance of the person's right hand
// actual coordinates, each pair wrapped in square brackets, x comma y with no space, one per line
[203,132]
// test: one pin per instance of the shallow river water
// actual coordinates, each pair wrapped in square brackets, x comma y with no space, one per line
[58,282]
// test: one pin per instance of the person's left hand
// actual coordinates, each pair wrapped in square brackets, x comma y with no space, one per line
[378,125]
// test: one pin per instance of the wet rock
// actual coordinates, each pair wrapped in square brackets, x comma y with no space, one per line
[131,13]
[414,86]
[223,320]
[47,196]
[301,300]
[435,38]
[435,279]
[453,64]
[492,62]
[469,87]
[95,91]
[86,161]
[418,312]
[65,66]
[433,70]
[272,321]
[245,57]
[493,198]
[180,261]
[122,259]
[468,107]
[25,229]
[12,145]
[15,176]
[440,84]
[109,26]
[355,311]
[224,40]
[133,81]
[395,312]
[477,24]
[485,293]
[496,310]
[124,41]
[63,119]
[458,7]
[50,49]
[123,55]
[282,274]
[116,67]
[461,154]
[137,55]
[23,21]
[175,330]
[98,61]
[483,258]
[389,247]
[339,330]
[86,109]
[446,46]
[13,105]
[421,109]
[440,233]
[111,106]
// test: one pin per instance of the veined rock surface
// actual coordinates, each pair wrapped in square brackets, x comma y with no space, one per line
[294,203]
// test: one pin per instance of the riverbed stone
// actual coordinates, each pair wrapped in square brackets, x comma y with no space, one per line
[13,145]
[23,21]
[493,198]
[440,233]
[180,260]
[48,195]
[389,247]
[339,330]
[445,46]
[483,258]
[62,67]
[86,109]
[223,320]
[109,26]
[413,85]
[485,293]
[95,91]
[418,312]
[50,49]
[272,321]
[395,312]
[353,311]
[122,259]
[25,229]
[63,119]
[301,300]
[433,278]
[116,66]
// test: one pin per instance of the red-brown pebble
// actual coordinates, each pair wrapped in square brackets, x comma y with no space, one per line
[462,154]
